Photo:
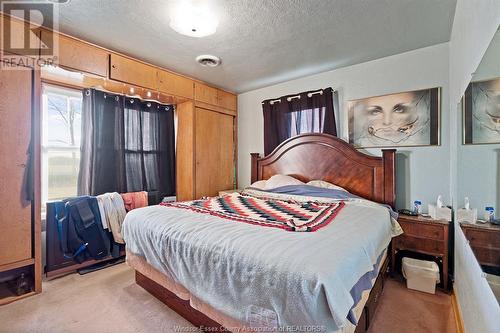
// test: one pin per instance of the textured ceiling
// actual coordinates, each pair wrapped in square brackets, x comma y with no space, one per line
[263,42]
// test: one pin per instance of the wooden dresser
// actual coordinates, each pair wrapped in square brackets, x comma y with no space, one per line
[484,239]
[426,236]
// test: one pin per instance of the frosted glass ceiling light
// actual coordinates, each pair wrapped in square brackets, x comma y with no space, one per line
[194,20]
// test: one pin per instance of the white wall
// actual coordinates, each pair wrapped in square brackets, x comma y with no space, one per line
[423,172]
[474,25]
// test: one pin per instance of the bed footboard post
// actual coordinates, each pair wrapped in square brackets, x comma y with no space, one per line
[389,156]
[254,172]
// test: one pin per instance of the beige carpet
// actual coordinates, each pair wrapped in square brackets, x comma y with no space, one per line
[105,301]
[109,301]
[410,311]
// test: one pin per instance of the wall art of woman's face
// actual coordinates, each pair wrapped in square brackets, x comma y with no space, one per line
[486,111]
[401,119]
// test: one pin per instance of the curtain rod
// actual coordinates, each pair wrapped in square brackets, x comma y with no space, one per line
[289,98]
[100,88]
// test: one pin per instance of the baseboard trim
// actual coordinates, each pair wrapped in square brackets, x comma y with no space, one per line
[459,323]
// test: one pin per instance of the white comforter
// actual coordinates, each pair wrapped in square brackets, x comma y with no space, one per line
[304,278]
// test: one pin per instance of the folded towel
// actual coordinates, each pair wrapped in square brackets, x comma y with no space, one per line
[133,200]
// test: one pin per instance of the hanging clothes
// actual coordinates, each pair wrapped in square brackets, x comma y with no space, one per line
[102,211]
[133,200]
[114,214]
[80,229]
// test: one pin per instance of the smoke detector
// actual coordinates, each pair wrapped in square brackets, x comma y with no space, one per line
[208,60]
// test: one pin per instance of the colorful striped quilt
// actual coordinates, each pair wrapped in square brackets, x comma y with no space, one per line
[287,215]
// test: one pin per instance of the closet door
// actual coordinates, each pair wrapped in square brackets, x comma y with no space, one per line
[214,152]
[15,133]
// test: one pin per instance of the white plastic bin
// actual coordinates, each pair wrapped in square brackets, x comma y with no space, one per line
[421,275]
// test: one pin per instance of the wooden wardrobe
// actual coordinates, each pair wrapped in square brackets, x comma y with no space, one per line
[206,144]
[20,249]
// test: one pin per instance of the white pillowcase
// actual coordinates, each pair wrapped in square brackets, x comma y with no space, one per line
[260,184]
[323,184]
[281,180]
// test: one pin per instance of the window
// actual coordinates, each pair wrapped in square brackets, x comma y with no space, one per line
[61,134]
[288,116]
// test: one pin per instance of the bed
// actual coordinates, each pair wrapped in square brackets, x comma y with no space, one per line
[233,276]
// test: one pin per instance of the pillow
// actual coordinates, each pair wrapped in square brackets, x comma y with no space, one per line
[323,184]
[281,180]
[260,184]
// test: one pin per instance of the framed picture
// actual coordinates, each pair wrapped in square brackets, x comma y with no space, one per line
[397,120]
[481,112]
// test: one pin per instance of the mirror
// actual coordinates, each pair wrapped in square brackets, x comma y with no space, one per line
[478,167]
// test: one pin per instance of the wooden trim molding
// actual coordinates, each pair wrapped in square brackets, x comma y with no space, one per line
[459,323]
[17,264]
[203,105]
[13,298]
[89,81]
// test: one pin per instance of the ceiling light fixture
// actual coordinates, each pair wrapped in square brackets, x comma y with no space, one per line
[193,20]
[208,60]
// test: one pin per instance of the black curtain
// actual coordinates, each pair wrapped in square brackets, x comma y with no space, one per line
[307,112]
[128,145]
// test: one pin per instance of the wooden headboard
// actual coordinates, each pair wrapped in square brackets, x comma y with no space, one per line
[325,157]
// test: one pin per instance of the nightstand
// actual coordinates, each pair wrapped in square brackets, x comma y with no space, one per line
[484,239]
[423,235]
[225,192]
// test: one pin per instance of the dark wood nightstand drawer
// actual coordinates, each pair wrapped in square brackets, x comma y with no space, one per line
[488,257]
[428,246]
[423,231]
[483,238]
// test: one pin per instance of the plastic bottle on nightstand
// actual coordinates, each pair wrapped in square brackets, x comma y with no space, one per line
[417,204]
[489,214]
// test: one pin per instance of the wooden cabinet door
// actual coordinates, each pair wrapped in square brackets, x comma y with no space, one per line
[226,100]
[226,153]
[205,94]
[130,71]
[79,56]
[15,133]
[16,35]
[174,84]
[214,96]
[214,152]
[185,155]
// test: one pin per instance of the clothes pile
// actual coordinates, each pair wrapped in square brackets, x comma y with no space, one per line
[90,227]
